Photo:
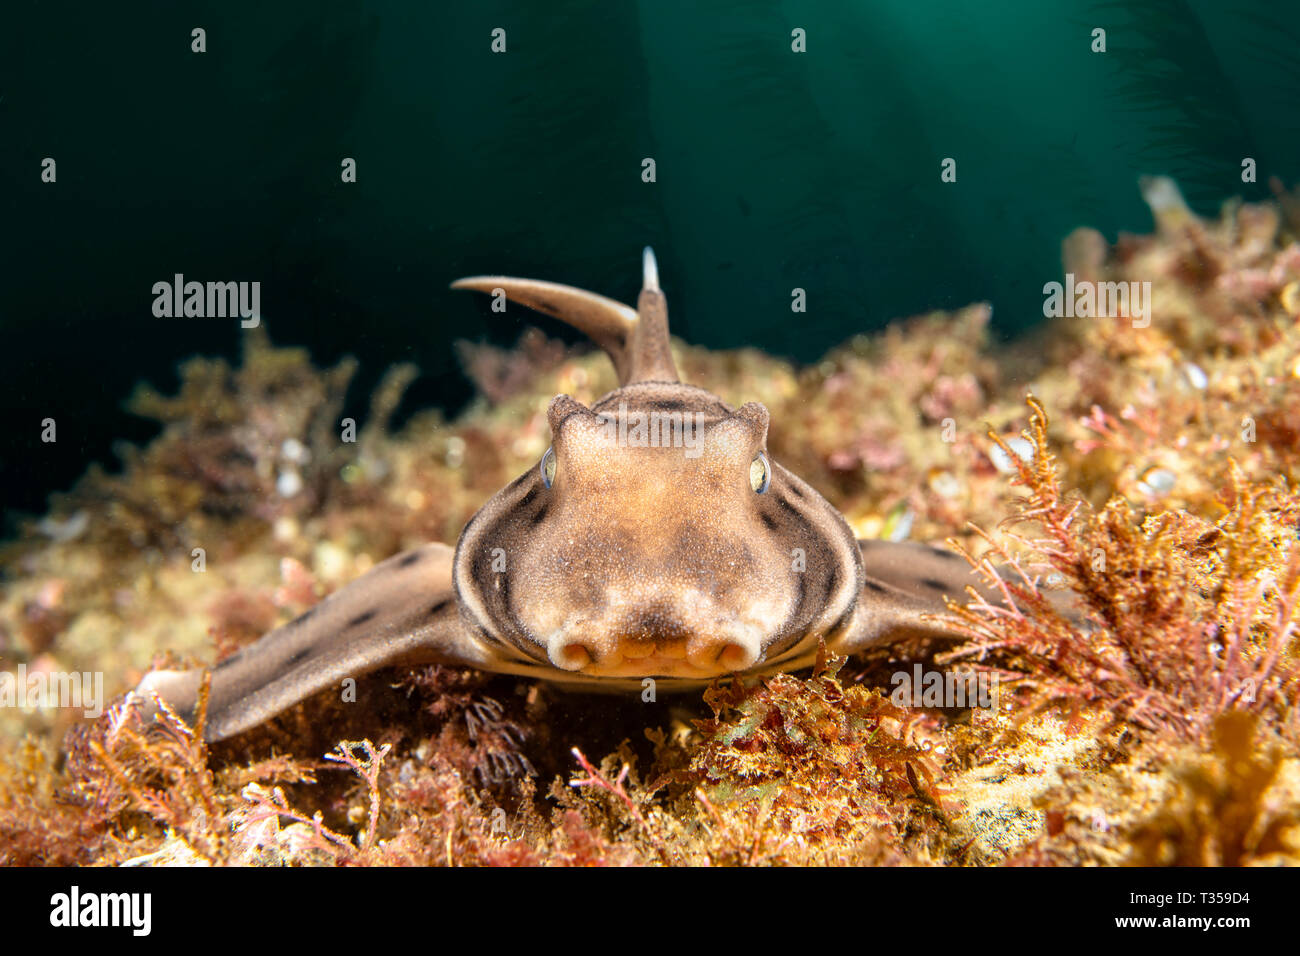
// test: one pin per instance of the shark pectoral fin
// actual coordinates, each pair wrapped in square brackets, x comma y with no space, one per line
[905,587]
[403,611]
[636,340]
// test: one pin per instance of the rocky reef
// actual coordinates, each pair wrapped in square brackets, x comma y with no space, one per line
[1143,454]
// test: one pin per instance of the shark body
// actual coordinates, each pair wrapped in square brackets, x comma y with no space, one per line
[654,539]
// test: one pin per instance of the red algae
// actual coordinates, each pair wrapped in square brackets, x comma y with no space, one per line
[1153,721]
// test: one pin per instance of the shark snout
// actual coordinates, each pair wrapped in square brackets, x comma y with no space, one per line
[653,643]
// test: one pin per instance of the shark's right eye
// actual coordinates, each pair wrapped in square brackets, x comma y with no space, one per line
[547,467]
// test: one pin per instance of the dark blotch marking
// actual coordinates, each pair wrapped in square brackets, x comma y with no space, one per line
[768,520]
[410,559]
[934,584]
[297,657]
[833,584]
[688,406]
[537,516]
[439,607]
[946,555]
[809,527]
[532,493]
[698,401]
[228,662]
[498,605]
[877,588]
[362,618]
[302,618]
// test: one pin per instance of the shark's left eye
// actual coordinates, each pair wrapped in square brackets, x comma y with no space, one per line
[547,467]
[760,473]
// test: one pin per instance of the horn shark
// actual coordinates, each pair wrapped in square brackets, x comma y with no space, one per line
[655,538]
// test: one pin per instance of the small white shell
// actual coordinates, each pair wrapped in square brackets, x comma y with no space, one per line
[294,451]
[1023,449]
[1196,376]
[1157,482]
[289,483]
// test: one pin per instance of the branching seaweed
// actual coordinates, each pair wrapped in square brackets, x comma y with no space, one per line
[1177,619]
[818,763]
[367,769]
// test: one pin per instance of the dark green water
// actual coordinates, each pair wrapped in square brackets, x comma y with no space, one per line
[775,170]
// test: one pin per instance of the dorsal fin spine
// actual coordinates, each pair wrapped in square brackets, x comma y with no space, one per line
[636,342]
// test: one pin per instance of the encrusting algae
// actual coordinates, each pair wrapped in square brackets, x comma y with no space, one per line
[1152,470]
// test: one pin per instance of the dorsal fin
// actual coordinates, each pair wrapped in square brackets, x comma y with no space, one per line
[636,341]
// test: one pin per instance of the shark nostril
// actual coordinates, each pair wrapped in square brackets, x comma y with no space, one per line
[569,655]
[575,655]
[736,657]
